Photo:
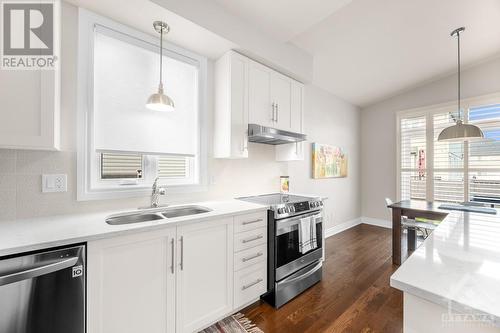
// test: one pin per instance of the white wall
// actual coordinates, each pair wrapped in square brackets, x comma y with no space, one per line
[333,121]
[327,119]
[378,128]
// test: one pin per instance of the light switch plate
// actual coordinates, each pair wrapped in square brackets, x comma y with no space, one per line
[54,183]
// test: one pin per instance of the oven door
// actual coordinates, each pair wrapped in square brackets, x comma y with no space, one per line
[289,259]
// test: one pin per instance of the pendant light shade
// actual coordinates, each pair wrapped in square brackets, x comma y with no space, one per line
[460,131]
[159,101]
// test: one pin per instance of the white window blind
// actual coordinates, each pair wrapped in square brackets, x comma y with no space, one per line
[173,167]
[126,73]
[119,166]
[413,162]
[484,157]
[460,171]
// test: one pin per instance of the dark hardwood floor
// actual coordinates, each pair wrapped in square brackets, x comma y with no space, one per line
[354,295]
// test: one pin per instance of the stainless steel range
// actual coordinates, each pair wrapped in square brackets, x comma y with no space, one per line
[291,269]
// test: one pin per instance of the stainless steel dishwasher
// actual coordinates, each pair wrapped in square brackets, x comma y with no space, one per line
[43,292]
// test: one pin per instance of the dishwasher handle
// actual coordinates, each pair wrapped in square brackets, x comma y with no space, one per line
[38,270]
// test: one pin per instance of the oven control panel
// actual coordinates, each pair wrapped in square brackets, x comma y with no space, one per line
[297,208]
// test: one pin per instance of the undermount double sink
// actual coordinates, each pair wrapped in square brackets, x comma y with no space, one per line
[156,214]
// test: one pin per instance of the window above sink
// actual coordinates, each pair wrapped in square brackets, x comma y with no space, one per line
[123,146]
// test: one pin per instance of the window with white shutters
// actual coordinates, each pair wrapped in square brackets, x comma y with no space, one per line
[450,171]
[448,163]
[126,166]
[120,166]
[413,161]
[484,156]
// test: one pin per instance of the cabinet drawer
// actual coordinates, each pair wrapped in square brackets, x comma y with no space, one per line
[250,221]
[250,256]
[247,239]
[249,284]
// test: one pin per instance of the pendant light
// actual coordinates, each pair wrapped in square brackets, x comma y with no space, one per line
[460,131]
[159,101]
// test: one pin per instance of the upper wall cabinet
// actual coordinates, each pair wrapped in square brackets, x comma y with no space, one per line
[249,92]
[231,106]
[29,103]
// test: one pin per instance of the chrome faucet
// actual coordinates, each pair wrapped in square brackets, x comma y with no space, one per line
[157,191]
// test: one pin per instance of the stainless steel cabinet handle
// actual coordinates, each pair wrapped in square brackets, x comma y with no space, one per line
[252,257]
[173,256]
[251,284]
[251,222]
[35,270]
[252,239]
[182,253]
[273,109]
[277,112]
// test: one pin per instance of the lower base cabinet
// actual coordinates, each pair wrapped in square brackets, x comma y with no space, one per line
[130,285]
[205,274]
[175,279]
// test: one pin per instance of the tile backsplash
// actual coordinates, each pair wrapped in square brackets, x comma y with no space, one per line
[21,183]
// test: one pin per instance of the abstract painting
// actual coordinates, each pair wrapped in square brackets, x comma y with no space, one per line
[328,161]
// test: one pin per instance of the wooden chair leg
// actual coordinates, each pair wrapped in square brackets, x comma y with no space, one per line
[412,239]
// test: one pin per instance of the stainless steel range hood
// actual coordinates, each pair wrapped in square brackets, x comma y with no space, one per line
[272,136]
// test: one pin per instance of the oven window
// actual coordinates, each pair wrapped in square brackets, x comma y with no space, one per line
[287,246]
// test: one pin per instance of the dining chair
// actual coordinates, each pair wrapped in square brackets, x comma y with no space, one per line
[411,227]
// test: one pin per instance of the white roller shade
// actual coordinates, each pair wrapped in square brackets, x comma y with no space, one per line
[126,74]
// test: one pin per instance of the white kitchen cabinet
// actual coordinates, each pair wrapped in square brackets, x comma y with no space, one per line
[297,107]
[261,109]
[204,274]
[231,106]
[281,94]
[249,92]
[30,101]
[294,151]
[131,283]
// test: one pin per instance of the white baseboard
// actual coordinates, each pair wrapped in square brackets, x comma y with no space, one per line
[352,223]
[341,227]
[377,222]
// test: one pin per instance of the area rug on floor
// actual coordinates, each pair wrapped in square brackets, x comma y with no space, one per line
[236,323]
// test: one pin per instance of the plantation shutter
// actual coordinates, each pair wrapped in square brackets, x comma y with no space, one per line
[173,167]
[413,154]
[448,161]
[121,166]
[484,156]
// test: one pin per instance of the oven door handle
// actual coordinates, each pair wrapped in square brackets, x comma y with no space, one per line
[292,224]
[35,271]
[292,279]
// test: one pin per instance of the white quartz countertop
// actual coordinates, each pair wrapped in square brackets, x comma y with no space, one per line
[458,266]
[24,235]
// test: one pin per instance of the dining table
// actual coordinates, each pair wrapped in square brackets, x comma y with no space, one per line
[411,209]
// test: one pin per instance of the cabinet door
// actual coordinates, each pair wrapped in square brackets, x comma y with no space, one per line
[30,103]
[239,106]
[259,95]
[131,287]
[204,273]
[281,87]
[296,107]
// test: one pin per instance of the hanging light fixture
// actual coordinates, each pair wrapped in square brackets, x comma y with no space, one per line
[159,101]
[460,131]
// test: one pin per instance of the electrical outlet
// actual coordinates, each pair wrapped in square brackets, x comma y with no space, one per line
[54,183]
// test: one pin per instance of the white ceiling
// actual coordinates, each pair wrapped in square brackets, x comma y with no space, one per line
[140,14]
[367,50]
[283,19]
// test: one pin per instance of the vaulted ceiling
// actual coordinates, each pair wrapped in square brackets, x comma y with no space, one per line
[366,50]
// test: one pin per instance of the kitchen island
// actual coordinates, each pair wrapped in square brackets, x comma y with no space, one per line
[452,282]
